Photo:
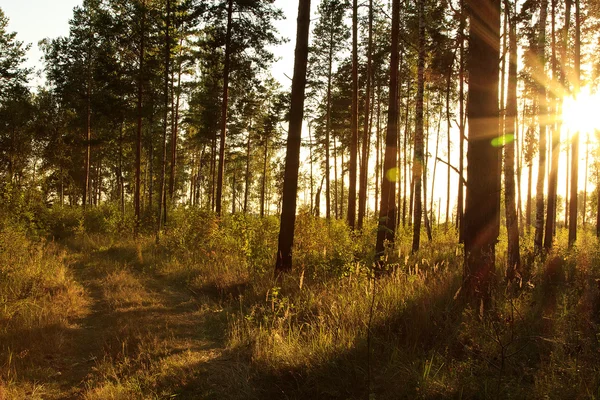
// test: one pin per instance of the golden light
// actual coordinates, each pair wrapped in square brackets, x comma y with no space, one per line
[582,114]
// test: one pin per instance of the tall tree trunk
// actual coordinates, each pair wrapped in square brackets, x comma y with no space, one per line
[342,184]
[542,113]
[364,170]
[437,148]
[585,169]
[519,149]
[121,181]
[88,128]
[162,203]
[483,197]
[555,129]
[224,104]
[575,144]
[263,188]
[213,173]
[528,204]
[335,180]
[405,154]
[247,175]
[461,100]
[377,151]
[354,121]
[510,123]
[419,172]
[328,132]
[138,147]
[448,128]
[387,213]
[175,130]
[292,161]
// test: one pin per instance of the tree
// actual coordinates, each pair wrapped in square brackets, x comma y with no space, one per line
[330,35]
[292,163]
[542,113]
[387,211]
[419,156]
[364,168]
[354,120]
[483,196]
[575,140]
[15,104]
[510,130]
[246,39]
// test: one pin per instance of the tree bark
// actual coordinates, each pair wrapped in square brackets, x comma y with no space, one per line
[162,203]
[483,197]
[461,100]
[354,122]
[510,123]
[575,144]
[364,170]
[555,129]
[419,156]
[542,113]
[138,142]
[387,210]
[292,163]
[224,104]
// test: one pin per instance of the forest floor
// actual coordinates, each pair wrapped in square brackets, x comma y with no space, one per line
[136,334]
[200,316]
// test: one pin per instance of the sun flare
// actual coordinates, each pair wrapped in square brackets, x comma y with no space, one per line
[582,114]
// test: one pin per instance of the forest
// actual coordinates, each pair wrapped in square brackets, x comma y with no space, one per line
[412,212]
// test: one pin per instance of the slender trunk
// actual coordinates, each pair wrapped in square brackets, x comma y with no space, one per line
[175,130]
[555,131]
[387,213]
[461,141]
[354,122]
[162,203]
[264,178]
[121,179]
[292,161]
[247,175]
[528,205]
[584,205]
[224,104]
[575,144]
[88,127]
[483,197]
[335,179]
[138,147]
[328,132]
[213,173]
[377,152]
[437,146]
[448,126]
[310,155]
[419,172]
[542,113]
[510,123]
[405,154]
[342,184]
[364,170]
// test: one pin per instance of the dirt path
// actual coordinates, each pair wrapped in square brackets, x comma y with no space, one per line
[141,337]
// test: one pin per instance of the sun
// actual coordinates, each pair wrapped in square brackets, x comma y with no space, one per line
[582,114]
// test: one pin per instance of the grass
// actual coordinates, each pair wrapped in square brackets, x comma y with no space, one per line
[200,315]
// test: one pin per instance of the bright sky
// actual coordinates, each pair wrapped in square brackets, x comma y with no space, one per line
[34,20]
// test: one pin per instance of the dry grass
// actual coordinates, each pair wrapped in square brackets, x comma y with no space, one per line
[201,316]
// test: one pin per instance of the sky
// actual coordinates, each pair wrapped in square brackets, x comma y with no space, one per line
[34,20]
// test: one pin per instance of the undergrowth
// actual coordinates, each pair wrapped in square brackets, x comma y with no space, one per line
[329,329]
